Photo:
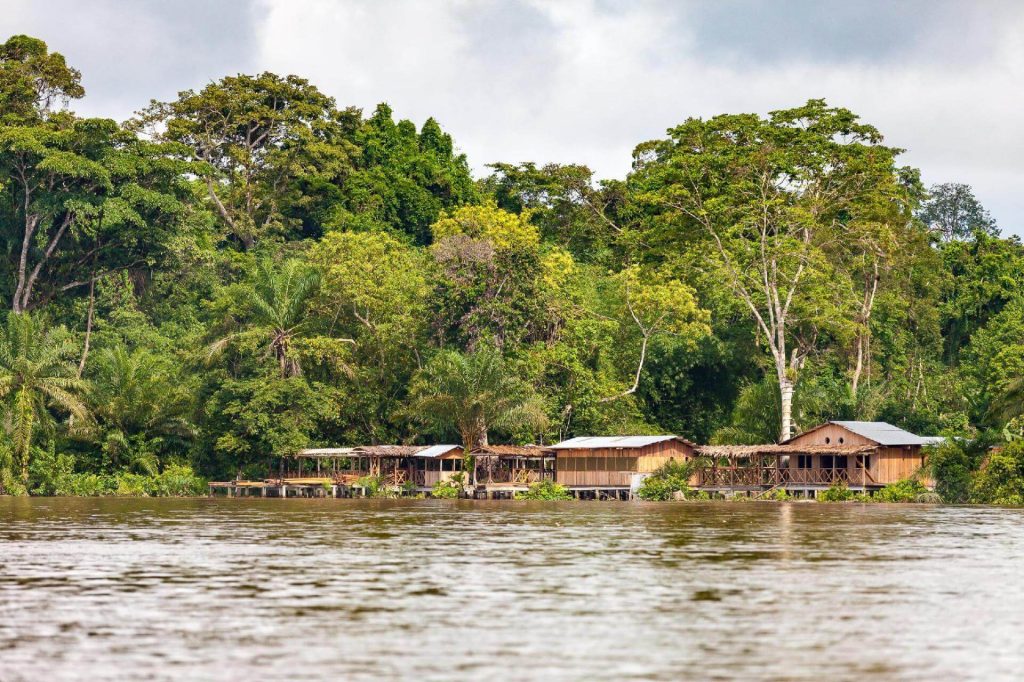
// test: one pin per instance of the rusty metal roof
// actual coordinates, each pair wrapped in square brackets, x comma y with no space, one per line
[597,442]
[514,450]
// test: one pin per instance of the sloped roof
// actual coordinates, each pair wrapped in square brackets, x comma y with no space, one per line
[789,449]
[437,450]
[388,450]
[514,450]
[882,433]
[324,452]
[597,442]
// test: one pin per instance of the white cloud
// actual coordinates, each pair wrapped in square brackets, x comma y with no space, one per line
[586,80]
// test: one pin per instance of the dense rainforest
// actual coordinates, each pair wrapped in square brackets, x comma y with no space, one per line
[254,268]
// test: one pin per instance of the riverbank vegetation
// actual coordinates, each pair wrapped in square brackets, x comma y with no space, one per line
[253,267]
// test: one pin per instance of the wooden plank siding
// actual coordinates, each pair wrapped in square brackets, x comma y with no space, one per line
[614,467]
[885,465]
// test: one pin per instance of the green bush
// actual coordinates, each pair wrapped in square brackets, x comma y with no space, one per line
[446,490]
[1001,479]
[127,484]
[778,495]
[545,490]
[837,492]
[667,480]
[907,490]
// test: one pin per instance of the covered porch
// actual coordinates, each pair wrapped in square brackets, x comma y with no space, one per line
[513,465]
[789,466]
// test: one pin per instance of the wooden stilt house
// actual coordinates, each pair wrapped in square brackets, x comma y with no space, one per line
[615,462]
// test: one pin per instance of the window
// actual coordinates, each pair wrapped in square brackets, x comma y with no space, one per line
[804,461]
[840,462]
[841,440]
[827,440]
[864,461]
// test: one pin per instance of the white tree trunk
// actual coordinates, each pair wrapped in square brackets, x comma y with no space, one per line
[786,394]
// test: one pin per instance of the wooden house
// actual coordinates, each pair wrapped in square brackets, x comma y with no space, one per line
[862,455]
[615,462]
[436,463]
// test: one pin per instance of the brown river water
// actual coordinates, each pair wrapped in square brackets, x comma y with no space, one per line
[118,589]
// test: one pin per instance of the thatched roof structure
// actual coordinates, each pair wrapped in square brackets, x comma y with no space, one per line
[772,449]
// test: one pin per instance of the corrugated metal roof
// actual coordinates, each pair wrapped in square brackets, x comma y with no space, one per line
[324,452]
[595,442]
[437,450]
[882,433]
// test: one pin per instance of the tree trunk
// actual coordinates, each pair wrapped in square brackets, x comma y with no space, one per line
[88,324]
[864,329]
[23,444]
[786,394]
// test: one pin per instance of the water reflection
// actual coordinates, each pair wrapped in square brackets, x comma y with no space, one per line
[364,589]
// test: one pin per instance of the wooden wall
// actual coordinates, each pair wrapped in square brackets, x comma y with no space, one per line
[888,464]
[614,467]
[830,434]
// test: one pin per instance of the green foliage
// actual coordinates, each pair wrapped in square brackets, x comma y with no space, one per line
[545,490]
[447,490]
[907,490]
[37,375]
[473,395]
[953,212]
[837,492]
[953,464]
[251,269]
[1001,477]
[669,480]
[778,495]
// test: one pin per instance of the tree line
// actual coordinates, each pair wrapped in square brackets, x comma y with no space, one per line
[252,268]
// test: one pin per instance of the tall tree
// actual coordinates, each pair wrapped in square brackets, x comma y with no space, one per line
[33,81]
[772,197]
[953,212]
[658,306]
[258,138]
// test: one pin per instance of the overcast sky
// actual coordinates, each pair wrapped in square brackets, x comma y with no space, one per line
[586,80]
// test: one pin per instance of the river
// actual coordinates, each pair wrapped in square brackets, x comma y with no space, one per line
[129,589]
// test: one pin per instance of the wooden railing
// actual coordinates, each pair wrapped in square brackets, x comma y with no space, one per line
[754,477]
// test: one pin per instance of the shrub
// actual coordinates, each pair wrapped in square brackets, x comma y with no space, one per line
[907,490]
[837,492]
[127,484]
[778,495]
[545,490]
[51,473]
[178,480]
[1001,479]
[89,485]
[446,490]
[667,480]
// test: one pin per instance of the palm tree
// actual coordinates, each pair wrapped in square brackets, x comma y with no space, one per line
[473,394]
[1009,403]
[274,310]
[138,403]
[38,372]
